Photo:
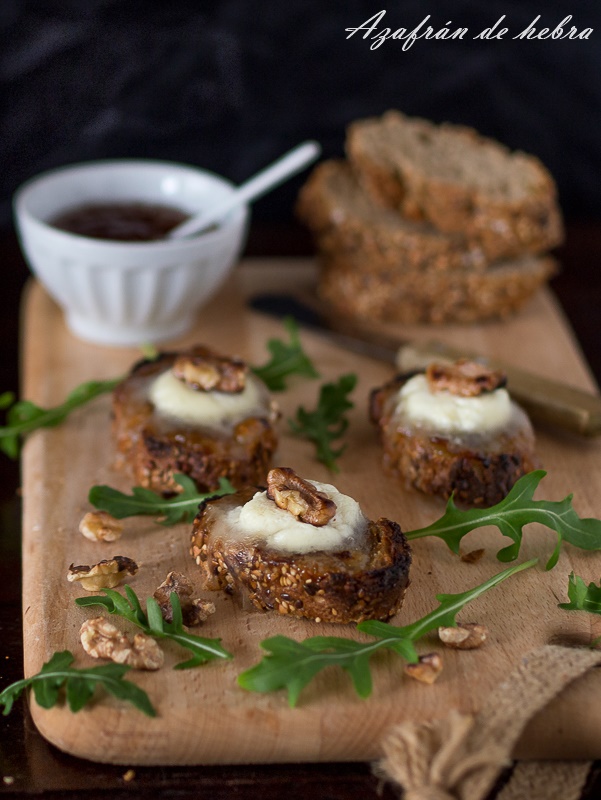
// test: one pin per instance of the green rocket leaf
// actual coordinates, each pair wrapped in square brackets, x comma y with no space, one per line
[511,515]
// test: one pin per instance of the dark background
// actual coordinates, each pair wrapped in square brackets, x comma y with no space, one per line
[230,85]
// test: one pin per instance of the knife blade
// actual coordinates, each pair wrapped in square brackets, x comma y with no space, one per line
[546,401]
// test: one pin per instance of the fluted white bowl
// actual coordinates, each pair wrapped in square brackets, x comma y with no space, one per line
[127,293]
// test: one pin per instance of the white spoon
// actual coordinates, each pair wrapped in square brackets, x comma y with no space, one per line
[262,182]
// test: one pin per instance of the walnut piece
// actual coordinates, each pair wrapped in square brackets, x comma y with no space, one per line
[294,494]
[427,669]
[101,639]
[464,378]
[100,526]
[473,556]
[104,575]
[466,636]
[194,611]
[205,371]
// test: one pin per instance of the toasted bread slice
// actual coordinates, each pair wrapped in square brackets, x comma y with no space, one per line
[478,468]
[155,445]
[367,581]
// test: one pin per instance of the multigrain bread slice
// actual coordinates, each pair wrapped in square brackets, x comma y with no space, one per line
[153,444]
[431,297]
[459,181]
[477,467]
[364,581]
[342,216]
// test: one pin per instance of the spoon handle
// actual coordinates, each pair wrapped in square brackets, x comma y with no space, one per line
[268,178]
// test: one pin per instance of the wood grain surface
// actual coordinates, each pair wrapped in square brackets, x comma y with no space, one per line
[203,716]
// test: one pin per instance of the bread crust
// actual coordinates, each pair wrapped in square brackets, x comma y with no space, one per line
[504,226]
[479,472]
[347,586]
[153,448]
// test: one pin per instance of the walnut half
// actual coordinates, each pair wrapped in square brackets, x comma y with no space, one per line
[101,639]
[205,371]
[464,378]
[100,526]
[104,575]
[294,494]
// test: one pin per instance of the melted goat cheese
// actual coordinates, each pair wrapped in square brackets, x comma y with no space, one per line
[447,412]
[261,520]
[176,399]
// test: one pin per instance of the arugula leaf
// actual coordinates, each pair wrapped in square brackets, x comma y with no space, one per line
[286,359]
[181,508]
[153,624]
[149,351]
[511,514]
[581,596]
[327,422]
[292,665]
[24,416]
[79,685]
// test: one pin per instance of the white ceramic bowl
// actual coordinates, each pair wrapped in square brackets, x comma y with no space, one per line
[127,293]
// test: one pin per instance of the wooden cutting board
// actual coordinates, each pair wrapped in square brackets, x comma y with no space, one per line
[203,716]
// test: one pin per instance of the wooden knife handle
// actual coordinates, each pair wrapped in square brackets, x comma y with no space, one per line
[546,401]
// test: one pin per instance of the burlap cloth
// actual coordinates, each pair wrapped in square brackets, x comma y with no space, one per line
[461,756]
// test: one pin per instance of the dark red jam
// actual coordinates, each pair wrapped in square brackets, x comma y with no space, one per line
[122,222]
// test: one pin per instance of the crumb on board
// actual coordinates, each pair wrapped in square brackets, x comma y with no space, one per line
[473,556]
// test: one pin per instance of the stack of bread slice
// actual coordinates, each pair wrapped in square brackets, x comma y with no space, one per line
[430,223]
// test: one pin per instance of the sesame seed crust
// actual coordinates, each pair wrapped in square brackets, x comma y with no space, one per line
[347,586]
